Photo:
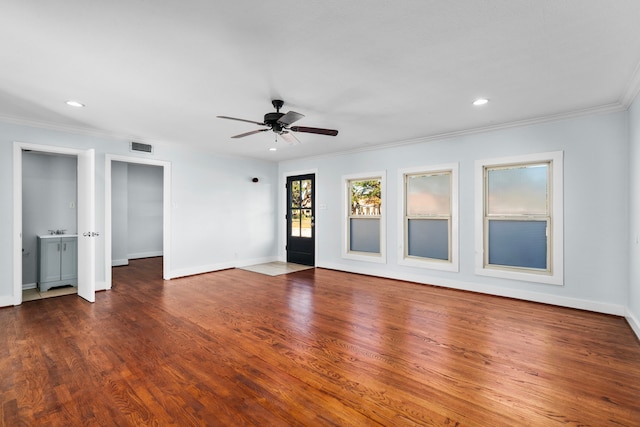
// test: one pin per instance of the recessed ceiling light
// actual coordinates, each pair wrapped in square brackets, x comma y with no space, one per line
[480,101]
[273,149]
[72,103]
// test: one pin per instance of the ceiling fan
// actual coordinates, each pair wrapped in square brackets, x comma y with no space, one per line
[280,123]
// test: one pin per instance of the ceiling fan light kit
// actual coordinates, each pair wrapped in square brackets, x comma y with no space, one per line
[280,124]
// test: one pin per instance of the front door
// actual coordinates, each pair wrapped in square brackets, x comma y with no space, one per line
[300,219]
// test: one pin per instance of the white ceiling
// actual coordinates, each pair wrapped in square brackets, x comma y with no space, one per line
[380,71]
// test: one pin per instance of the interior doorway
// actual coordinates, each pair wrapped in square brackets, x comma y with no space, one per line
[49,225]
[111,232]
[85,253]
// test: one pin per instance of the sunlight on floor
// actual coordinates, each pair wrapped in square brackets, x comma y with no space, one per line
[276,268]
[34,294]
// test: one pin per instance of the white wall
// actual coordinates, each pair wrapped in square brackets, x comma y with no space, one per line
[119,214]
[144,209]
[633,306]
[596,177]
[136,211]
[49,197]
[219,218]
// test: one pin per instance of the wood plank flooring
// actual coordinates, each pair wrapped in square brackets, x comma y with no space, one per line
[312,348]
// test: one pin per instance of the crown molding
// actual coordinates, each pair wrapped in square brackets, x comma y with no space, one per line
[603,109]
[78,130]
[632,89]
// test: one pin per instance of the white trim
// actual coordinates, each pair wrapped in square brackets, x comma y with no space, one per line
[17,224]
[119,262]
[7,301]
[633,322]
[18,147]
[166,213]
[614,107]
[453,264]
[144,255]
[283,204]
[557,242]
[631,90]
[345,207]
[581,304]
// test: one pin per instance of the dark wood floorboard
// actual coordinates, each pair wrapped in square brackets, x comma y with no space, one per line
[312,348]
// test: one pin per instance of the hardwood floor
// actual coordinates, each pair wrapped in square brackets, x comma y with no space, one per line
[312,348]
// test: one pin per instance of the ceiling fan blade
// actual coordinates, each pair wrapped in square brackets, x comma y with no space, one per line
[290,117]
[241,120]
[319,131]
[242,135]
[290,138]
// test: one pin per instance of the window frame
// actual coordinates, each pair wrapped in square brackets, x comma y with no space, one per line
[452,264]
[554,273]
[347,253]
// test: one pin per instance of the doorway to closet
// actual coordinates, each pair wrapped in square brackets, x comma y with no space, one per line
[137,212]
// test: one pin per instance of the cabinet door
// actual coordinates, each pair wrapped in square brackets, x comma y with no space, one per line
[69,258]
[50,260]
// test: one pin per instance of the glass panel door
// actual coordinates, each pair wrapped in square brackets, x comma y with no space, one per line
[300,219]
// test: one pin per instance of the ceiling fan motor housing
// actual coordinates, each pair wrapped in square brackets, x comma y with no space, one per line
[271,120]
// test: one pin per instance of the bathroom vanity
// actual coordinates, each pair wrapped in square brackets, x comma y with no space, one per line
[57,261]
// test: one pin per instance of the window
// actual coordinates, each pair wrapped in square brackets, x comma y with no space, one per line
[519,218]
[364,234]
[430,217]
[300,203]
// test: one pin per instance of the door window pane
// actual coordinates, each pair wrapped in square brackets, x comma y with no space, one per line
[521,190]
[295,194]
[429,194]
[295,222]
[306,223]
[305,194]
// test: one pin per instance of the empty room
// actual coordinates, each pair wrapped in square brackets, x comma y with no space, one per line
[320,213]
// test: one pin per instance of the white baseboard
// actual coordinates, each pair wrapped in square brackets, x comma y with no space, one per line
[633,322]
[119,262]
[26,286]
[184,272]
[144,255]
[580,304]
[6,301]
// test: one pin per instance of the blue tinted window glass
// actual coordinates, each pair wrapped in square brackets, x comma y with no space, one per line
[364,235]
[429,238]
[518,243]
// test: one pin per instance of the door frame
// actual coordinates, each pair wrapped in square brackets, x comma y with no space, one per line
[18,148]
[285,209]
[166,212]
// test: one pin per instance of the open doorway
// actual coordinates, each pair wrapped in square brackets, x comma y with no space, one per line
[82,249]
[137,211]
[49,225]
